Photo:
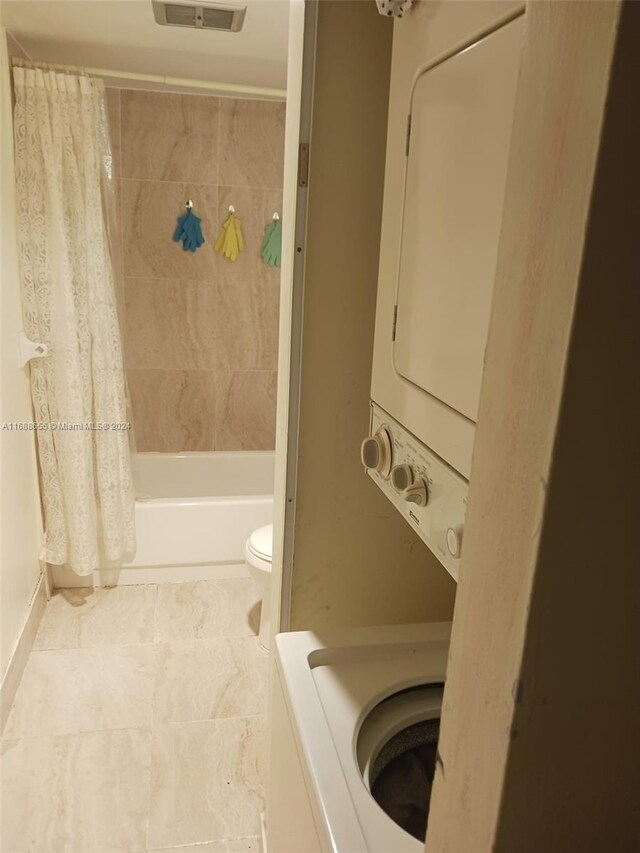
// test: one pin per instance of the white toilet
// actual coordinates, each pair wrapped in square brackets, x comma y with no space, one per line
[258,555]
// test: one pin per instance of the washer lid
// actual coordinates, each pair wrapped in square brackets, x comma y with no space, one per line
[261,542]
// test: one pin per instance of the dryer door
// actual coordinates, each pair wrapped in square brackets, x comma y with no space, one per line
[461,118]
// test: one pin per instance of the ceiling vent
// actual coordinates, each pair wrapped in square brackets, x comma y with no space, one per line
[204,16]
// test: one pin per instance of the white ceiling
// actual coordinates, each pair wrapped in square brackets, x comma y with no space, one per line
[123,35]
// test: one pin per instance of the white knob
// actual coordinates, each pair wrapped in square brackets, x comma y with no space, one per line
[454,541]
[401,477]
[417,493]
[375,452]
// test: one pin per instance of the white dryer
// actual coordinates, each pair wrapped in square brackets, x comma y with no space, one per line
[454,81]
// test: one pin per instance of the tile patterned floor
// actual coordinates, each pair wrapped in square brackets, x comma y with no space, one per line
[140,724]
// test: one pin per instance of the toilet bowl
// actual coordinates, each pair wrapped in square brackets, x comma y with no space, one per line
[258,553]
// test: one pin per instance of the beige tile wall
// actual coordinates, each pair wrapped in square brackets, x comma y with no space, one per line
[200,332]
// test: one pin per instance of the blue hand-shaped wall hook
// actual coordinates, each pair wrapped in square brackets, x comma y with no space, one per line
[188,230]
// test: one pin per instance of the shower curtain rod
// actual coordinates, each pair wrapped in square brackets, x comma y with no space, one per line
[166,80]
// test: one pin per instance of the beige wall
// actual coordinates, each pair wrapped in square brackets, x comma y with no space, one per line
[200,332]
[20,521]
[539,741]
[356,561]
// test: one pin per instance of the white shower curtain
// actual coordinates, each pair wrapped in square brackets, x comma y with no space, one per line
[63,172]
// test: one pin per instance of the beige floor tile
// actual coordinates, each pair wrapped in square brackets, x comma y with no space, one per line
[205,609]
[80,618]
[207,781]
[229,845]
[78,690]
[76,794]
[209,679]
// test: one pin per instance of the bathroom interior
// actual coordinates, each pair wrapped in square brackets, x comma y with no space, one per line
[307,329]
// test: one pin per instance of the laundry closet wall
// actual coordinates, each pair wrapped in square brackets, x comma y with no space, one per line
[200,332]
[355,560]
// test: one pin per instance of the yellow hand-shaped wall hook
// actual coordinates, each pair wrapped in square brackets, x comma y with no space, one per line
[230,242]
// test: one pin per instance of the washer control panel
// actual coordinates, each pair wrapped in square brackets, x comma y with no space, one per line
[428,492]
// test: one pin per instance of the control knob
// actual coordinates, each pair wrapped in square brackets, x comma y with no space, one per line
[417,493]
[413,491]
[375,452]
[454,540]
[401,477]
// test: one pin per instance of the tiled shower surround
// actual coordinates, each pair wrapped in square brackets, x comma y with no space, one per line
[200,332]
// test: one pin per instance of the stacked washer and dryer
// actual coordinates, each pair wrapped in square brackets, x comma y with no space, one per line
[356,714]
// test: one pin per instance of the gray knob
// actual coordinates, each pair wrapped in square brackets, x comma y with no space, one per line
[375,452]
[370,452]
[401,477]
[417,493]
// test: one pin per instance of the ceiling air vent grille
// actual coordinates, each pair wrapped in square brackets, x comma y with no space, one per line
[180,16]
[217,19]
[207,16]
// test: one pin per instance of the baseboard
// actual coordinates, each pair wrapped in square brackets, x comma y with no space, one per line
[64,578]
[22,650]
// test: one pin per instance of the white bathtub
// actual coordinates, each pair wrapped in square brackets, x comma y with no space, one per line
[194,512]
